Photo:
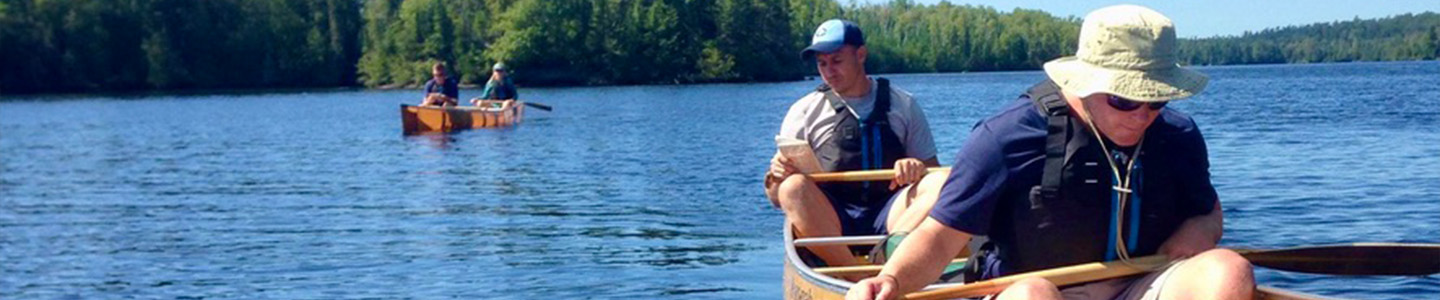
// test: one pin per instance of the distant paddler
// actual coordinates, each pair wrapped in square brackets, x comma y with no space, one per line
[852,122]
[1087,166]
[499,91]
[442,90]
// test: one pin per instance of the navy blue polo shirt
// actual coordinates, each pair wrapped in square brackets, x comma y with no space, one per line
[1005,155]
[451,88]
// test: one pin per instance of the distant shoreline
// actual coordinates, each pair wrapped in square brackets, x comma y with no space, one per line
[472,87]
[186,46]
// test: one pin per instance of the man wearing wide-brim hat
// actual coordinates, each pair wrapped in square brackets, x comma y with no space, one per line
[1089,165]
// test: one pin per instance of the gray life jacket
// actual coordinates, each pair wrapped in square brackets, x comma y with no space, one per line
[857,145]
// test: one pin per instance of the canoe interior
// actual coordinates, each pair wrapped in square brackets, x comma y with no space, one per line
[801,282]
[428,119]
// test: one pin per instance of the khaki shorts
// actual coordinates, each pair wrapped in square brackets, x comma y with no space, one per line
[1146,287]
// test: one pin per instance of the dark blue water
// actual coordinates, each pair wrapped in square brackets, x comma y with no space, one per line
[622,192]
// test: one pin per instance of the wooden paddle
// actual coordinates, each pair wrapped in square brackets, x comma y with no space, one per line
[1353,259]
[868,175]
[537,105]
[1376,259]
[867,270]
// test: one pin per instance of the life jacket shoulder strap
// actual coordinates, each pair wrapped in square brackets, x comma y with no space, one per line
[1048,100]
[1050,103]
[882,100]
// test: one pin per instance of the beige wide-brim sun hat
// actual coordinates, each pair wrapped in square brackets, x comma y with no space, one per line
[1127,51]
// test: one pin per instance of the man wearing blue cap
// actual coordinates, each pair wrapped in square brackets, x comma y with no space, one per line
[853,123]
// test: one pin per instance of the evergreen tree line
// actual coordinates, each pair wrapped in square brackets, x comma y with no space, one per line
[677,41]
[86,45]
[1402,37]
[81,45]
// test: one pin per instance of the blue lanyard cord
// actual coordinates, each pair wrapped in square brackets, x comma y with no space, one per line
[1110,235]
[1117,206]
[1119,194]
[1136,183]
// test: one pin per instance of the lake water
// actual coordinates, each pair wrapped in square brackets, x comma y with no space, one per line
[621,192]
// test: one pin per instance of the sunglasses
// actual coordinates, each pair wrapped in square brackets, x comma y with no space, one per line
[1123,104]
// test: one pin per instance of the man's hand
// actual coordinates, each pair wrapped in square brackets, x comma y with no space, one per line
[781,167]
[877,288]
[907,171]
[1180,248]
[1197,234]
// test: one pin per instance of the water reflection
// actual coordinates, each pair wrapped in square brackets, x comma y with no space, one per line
[435,141]
[652,192]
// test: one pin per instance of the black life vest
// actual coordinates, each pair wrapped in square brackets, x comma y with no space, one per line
[857,145]
[502,90]
[1066,219]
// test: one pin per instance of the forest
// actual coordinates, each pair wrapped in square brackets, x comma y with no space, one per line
[1402,37]
[64,46]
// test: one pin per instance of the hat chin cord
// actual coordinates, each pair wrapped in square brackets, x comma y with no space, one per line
[1122,187]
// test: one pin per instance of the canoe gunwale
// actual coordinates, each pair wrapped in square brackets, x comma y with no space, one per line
[792,257]
[832,284]
[806,278]
[435,119]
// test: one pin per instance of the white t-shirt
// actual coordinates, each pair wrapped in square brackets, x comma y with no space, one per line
[813,120]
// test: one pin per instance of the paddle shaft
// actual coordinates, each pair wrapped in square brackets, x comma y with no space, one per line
[1060,276]
[1352,259]
[863,269]
[1383,259]
[868,175]
[537,105]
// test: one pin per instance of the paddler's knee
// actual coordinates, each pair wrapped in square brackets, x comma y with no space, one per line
[1223,264]
[1031,288]
[794,190]
[932,182]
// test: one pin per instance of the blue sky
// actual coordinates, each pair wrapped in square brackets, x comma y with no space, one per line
[1205,18]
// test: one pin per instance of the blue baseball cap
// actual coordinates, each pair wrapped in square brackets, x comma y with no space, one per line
[832,35]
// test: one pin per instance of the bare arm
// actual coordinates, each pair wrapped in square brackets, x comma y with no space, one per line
[918,261]
[910,170]
[1196,235]
[923,255]
[780,168]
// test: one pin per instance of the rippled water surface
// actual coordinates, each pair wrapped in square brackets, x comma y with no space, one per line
[621,192]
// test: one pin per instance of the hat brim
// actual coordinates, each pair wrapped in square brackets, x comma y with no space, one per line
[821,47]
[1164,84]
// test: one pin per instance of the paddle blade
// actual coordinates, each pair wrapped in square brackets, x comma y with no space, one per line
[537,105]
[1354,259]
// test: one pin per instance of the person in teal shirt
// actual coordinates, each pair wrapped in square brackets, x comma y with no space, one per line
[498,88]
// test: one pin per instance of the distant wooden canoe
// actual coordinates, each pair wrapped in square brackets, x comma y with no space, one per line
[803,282]
[426,119]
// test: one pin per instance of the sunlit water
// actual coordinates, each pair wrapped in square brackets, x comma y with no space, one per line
[621,192]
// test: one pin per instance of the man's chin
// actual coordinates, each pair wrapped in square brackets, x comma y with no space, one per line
[1126,142]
